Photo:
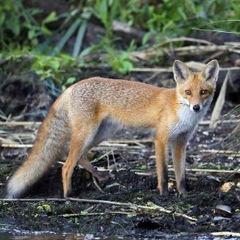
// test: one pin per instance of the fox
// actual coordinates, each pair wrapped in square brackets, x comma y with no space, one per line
[92,110]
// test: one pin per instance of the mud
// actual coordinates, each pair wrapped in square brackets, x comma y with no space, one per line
[129,205]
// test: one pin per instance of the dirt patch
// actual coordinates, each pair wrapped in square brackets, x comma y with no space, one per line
[129,205]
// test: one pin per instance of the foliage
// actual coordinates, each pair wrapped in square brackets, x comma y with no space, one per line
[55,67]
[159,19]
[106,11]
[120,62]
[17,24]
[172,18]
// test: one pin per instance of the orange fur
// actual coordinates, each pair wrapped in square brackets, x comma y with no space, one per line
[91,110]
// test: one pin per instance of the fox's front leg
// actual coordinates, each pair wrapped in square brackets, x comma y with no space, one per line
[179,159]
[161,152]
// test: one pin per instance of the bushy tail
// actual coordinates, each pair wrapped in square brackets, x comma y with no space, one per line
[50,141]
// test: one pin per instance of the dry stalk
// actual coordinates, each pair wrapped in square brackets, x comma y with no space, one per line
[223,152]
[207,122]
[188,170]
[14,124]
[219,103]
[9,145]
[226,234]
[96,214]
[201,47]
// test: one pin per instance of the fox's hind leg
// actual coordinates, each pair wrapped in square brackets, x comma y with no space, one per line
[84,162]
[106,129]
[75,152]
[81,141]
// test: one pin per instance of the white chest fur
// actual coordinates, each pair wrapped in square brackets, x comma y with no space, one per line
[188,120]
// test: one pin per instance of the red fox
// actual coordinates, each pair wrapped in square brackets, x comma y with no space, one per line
[92,110]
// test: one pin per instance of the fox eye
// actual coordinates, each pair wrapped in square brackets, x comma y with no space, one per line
[187,92]
[203,92]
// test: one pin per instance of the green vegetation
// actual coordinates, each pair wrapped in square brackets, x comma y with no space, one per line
[47,38]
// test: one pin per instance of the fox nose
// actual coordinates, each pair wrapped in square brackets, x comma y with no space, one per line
[196,107]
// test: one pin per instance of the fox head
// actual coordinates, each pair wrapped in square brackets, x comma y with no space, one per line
[195,89]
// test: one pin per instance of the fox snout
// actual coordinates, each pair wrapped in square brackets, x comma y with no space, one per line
[196,107]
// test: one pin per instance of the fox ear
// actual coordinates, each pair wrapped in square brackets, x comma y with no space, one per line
[211,70]
[180,71]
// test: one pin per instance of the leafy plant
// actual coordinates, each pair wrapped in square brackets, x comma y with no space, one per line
[161,19]
[119,62]
[17,24]
[106,11]
[172,18]
[54,67]
[79,25]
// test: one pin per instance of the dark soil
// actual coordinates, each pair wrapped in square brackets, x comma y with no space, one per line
[129,205]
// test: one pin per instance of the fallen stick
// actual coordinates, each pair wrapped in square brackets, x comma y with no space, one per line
[10,145]
[224,152]
[135,207]
[226,234]
[207,122]
[15,123]
[149,173]
[169,69]
[83,213]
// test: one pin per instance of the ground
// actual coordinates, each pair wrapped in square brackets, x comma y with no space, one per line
[129,205]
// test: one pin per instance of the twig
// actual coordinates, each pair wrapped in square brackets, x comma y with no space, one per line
[113,144]
[101,157]
[96,214]
[169,69]
[212,170]
[98,148]
[232,234]
[207,122]
[34,200]
[171,169]
[152,50]
[182,39]
[137,208]
[182,51]
[9,145]
[188,50]
[160,70]
[224,152]
[20,123]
